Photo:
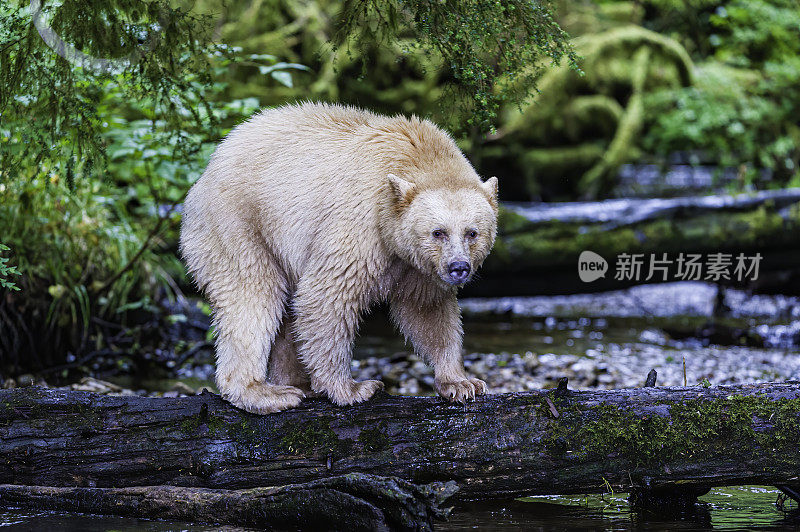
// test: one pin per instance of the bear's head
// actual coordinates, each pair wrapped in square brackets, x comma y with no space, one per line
[445,230]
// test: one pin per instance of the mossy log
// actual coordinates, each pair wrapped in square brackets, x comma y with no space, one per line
[499,446]
[354,501]
[539,244]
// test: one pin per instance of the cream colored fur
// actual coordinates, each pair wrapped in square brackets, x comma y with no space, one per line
[306,216]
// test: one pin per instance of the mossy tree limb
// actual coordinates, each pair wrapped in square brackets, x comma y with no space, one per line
[499,446]
[539,244]
[621,67]
[625,137]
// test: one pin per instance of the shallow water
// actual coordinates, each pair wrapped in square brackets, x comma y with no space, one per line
[612,339]
[616,337]
[732,508]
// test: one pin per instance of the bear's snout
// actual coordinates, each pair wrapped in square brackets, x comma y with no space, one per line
[458,271]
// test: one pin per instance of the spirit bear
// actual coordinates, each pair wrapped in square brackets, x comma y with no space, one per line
[306,216]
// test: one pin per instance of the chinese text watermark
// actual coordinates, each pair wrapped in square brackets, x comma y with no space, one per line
[712,267]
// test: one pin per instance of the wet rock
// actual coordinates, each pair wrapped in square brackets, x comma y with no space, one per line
[90,384]
[25,380]
[183,388]
[531,361]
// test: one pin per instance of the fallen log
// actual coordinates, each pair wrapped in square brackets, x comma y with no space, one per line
[500,446]
[354,501]
[538,245]
[623,212]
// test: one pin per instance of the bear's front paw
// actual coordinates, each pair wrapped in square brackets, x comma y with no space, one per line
[460,390]
[351,392]
[261,398]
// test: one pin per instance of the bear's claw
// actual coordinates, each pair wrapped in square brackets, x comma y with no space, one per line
[261,398]
[461,391]
[353,391]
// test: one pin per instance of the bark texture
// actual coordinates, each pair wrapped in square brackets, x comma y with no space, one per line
[354,501]
[499,446]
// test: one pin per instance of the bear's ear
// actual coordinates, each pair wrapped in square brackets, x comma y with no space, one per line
[490,187]
[403,190]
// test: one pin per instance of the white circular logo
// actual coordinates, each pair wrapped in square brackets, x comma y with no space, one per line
[591,266]
[75,56]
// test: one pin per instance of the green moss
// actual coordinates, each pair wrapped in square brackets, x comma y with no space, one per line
[586,112]
[374,439]
[241,430]
[190,424]
[620,148]
[549,244]
[559,160]
[314,438]
[511,222]
[691,429]
[577,134]
[215,424]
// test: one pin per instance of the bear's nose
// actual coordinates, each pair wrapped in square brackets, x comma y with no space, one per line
[459,271]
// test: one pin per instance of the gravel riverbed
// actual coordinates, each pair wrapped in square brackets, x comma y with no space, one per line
[608,340]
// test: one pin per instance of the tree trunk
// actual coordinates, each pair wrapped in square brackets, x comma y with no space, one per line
[499,446]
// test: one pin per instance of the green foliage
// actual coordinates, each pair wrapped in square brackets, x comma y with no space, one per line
[581,128]
[753,33]
[742,110]
[738,107]
[51,108]
[687,21]
[491,48]
[742,33]
[6,271]
[731,116]
[94,162]
[97,249]
[68,245]
[454,61]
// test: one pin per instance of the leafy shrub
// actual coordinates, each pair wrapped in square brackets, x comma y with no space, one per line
[753,33]
[6,271]
[100,247]
[74,249]
[742,110]
[92,250]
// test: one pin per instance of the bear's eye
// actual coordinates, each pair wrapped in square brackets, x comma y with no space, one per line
[472,233]
[439,233]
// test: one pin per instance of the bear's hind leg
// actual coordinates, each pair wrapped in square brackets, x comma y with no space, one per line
[249,301]
[285,367]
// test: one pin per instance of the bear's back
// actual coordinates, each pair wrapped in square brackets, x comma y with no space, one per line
[314,171]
